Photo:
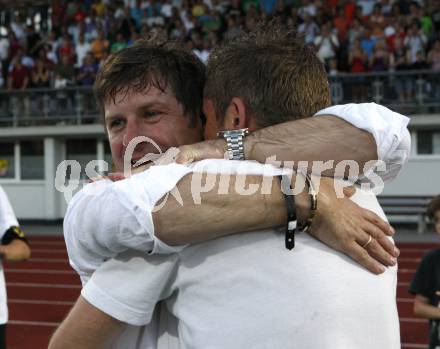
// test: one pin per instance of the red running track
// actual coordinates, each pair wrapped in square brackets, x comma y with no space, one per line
[42,290]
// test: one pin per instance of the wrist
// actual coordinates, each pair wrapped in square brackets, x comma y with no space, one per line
[302,204]
[249,144]
[3,251]
[222,147]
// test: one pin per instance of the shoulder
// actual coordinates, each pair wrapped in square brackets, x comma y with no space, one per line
[431,256]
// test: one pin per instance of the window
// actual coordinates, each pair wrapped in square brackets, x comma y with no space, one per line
[81,150]
[7,165]
[32,159]
[428,142]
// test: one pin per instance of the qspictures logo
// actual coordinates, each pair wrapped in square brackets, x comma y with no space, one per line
[209,175]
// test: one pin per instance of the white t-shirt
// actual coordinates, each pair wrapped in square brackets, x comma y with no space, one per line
[248,291]
[106,218]
[7,220]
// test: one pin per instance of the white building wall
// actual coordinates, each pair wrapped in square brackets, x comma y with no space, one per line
[27,199]
[421,176]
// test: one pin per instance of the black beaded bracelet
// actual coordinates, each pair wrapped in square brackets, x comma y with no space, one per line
[286,189]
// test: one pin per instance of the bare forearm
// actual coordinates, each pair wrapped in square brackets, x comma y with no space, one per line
[16,251]
[320,138]
[85,327]
[426,311]
[218,215]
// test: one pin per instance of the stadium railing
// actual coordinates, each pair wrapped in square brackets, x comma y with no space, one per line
[48,106]
[409,92]
[406,209]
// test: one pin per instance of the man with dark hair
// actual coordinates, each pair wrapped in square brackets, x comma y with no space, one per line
[426,282]
[127,116]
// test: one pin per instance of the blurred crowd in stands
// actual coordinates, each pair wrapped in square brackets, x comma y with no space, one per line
[72,38]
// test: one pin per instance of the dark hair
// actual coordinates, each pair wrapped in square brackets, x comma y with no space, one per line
[433,207]
[277,75]
[158,63]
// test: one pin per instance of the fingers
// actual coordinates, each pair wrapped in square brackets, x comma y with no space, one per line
[168,157]
[187,154]
[381,238]
[379,222]
[361,256]
[380,253]
[349,191]
[117,176]
[205,150]
[383,228]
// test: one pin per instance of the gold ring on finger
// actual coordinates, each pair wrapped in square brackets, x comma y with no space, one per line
[368,242]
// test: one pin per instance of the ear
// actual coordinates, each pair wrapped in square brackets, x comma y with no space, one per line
[236,115]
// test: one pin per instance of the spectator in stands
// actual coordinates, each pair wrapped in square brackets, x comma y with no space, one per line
[342,23]
[426,283]
[40,78]
[204,52]
[64,76]
[21,56]
[66,49]
[91,28]
[86,77]
[82,47]
[4,55]
[233,29]
[326,44]
[420,63]
[2,80]
[357,58]
[380,60]
[377,21]
[414,14]
[119,44]
[309,28]
[13,248]
[355,31]
[434,63]
[400,63]
[99,45]
[32,39]
[128,24]
[88,71]
[394,31]
[18,79]
[415,41]
[427,24]
[435,14]
[368,41]
[358,62]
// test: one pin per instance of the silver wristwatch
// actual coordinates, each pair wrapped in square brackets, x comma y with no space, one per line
[235,142]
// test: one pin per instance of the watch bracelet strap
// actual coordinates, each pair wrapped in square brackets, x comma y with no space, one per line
[286,190]
[235,146]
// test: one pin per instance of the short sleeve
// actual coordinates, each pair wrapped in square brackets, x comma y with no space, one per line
[106,218]
[129,286]
[423,282]
[388,128]
[7,216]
